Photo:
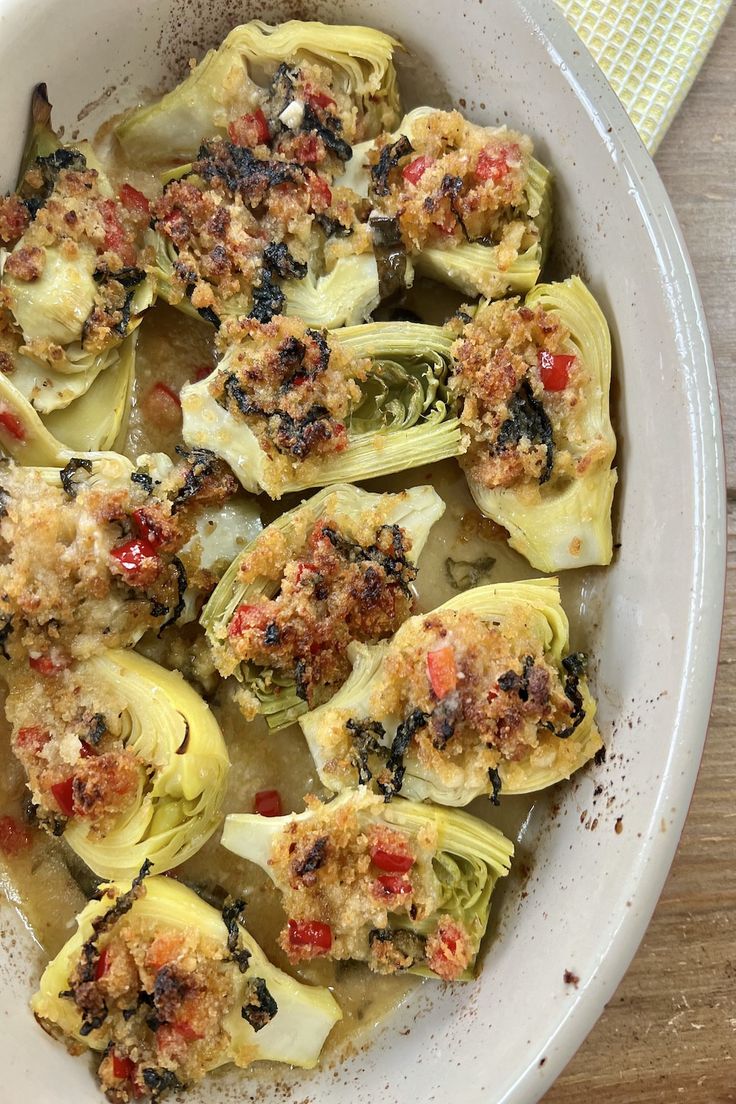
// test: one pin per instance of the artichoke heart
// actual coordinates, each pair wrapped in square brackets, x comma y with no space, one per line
[283,612]
[233,79]
[402,887]
[372,403]
[480,696]
[55,306]
[196,991]
[170,730]
[558,516]
[473,204]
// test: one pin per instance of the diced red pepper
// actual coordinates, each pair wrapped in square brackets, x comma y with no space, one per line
[102,966]
[318,99]
[493,164]
[122,1068]
[339,436]
[33,738]
[246,618]
[249,130]
[415,170]
[134,201]
[268,803]
[390,861]
[86,751]
[184,1029]
[319,191]
[15,837]
[132,554]
[148,530]
[305,149]
[554,369]
[116,239]
[391,885]
[12,425]
[202,371]
[45,665]
[441,671]
[162,389]
[304,568]
[310,933]
[64,795]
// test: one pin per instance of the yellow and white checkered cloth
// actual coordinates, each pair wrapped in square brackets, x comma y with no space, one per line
[650,50]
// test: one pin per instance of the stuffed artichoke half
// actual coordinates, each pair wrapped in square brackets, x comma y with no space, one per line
[338,568]
[251,223]
[166,988]
[471,204]
[479,696]
[121,755]
[343,79]
[96,553]
[532,381]
[290,407]
[403,886]
[72,289]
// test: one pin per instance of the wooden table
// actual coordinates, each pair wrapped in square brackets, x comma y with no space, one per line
[669,1032]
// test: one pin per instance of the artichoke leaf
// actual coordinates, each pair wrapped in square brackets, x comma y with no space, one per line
[415,510]
[569,525]
[168,726]
[532,614]
[458,858]
[55,306]
[25,437]
[296,1034]
[402,421]
[98,419]
[228,81]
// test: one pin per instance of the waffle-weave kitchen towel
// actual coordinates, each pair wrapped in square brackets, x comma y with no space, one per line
[650,51]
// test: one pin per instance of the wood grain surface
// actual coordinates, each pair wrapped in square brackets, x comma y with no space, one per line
[669,1032]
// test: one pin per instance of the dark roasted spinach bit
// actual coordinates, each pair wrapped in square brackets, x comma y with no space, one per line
[393,560]
[389,157]
[495,780]
[242,172]
[268,298]
[260,1007]
[390,786]
[464,574]
[511,680]
[366,737]
[232,915]
[278,258]
[328,131]
[313,860]
[202,464]
[181,587]
[159,1081]
[66,475]
[390,253]
[144,480]
[527,418]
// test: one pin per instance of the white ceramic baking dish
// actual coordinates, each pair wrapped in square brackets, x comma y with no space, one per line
[652,620]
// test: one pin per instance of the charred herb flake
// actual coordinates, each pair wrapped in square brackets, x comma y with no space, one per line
[232,915]
[66,475]
[527,418]
[260,1007]
[389,157]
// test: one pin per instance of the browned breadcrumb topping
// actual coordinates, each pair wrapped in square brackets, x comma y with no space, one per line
[87,227]
[246,218]
[292,385]
[71,748]
[503,401]
[95,565]
[161,994]
[332,592]
[350,883]
[480,698]
[455,182]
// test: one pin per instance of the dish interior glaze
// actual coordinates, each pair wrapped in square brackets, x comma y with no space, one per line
[592,856]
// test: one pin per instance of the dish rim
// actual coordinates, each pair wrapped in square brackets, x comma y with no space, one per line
[567,51]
